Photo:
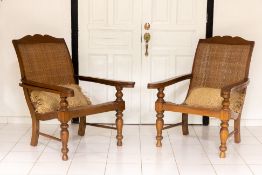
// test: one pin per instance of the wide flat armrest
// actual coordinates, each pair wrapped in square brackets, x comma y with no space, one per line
[126,84]
[168,82]
[63,91]
[236,86]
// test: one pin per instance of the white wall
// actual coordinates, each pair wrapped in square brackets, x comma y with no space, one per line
[17,19]
[22,17]
[244,18]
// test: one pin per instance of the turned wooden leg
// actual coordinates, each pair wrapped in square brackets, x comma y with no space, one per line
[159,116]
[119,126]
[64,134]
[35,131]
[159,128]
[82,126]
[185,124]
[237,137]
[119,115]
[64,139]
[223,138]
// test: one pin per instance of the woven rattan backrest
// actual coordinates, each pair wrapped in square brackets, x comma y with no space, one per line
[220,61]
[44,59]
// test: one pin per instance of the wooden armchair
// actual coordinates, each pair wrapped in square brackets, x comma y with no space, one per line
[45,65]
[220,70]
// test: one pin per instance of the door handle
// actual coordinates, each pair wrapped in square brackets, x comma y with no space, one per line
[147,37]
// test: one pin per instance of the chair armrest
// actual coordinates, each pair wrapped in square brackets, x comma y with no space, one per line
[126,84]
[233,87]
[168,82]
[62,91]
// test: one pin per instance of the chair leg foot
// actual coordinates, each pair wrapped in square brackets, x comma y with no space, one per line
[119,126]
[35,132]
[82,126]
[223,138]
[159,128]
[64,139]
[237,136]
[185,124]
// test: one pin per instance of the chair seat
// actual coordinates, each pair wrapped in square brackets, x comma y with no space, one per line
[210,98]
[46,102]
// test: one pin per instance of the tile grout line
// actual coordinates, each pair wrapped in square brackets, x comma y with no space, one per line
[204,150]
[41,151]
[108,149]
[140,146]
[178,170]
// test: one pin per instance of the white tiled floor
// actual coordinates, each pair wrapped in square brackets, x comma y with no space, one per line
[97,154]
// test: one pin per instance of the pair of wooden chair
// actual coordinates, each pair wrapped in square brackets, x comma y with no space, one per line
[221,65]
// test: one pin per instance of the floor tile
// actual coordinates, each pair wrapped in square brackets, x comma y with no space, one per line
[53,157]
[159,169]
[196,170]
[90,157]
[123,158]
[26,147]
[22,157]
[159,157]
[192,159]
[123,169]
[256,169]
[87,168]
[46,168]
[15,168]
[231,159]
[93,147]
[232,169]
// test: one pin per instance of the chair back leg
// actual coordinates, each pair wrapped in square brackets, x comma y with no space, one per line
[237,136]
[82,126]
[35,131]
[185,124]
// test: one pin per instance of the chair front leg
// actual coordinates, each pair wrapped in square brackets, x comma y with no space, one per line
[82,126]
[63,117]
[159,116]
[119,115]
[64,134]
[223,137]
[224,124]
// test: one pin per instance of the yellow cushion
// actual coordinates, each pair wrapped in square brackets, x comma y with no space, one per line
[210,98]
[48,102]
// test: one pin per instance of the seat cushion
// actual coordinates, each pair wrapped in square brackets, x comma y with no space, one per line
[49,102]
[211,98]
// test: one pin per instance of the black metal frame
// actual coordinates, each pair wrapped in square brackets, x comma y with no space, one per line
[74,36]
[209,33]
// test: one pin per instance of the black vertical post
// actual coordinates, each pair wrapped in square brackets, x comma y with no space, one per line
[74,41]
[209,33]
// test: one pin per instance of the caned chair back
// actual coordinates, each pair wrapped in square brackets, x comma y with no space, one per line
[44,59]
[220,61]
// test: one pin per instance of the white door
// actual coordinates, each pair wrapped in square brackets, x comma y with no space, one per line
[176,26]
[111,46]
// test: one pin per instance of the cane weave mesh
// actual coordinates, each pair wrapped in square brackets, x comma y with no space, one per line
[47,63]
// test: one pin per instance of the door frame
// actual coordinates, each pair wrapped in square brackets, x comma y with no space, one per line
[74,38]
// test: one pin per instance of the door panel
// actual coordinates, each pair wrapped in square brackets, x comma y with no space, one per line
[109,47]
[176,26]
[110,33]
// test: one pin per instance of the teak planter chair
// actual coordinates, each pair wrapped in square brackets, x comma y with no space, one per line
[45,64]
[221,63]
